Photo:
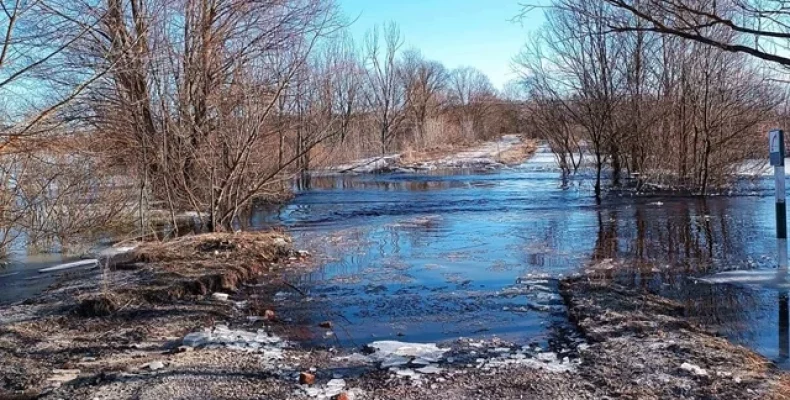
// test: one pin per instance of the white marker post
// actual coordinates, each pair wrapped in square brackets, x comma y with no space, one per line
[776,143]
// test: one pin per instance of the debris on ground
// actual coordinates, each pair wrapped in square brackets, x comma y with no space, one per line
[636,345]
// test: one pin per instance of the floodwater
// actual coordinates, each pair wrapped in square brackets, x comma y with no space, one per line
[432,257]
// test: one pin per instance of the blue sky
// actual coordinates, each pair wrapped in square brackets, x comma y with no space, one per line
[475,33]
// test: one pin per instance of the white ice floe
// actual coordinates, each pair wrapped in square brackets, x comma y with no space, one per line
[76,264]
[383,350]
[239,340]
[774,278]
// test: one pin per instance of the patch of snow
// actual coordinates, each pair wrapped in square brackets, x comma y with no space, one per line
[693,369]
[768,278]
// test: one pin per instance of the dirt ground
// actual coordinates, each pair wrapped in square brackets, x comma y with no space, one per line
[120,335]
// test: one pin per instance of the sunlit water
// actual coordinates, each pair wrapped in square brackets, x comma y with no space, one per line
[431,257]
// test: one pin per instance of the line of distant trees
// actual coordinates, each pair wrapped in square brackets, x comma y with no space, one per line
[644,103]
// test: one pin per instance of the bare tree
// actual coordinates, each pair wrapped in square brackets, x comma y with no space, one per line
[663,110]
[196,95]
[472,95]
[580,72]
[758,28]
[384,93]
[423,82]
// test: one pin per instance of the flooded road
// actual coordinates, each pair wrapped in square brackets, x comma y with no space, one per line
[434,257]
[420,257]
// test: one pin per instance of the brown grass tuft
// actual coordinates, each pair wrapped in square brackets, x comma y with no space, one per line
[243,246]
[518,153]
[781,388]
[96,306]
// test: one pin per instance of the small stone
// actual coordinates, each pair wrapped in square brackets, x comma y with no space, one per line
[269,315]
[693,369]
[220,296]
[341,396]
[196,339]
[306,378]
[63,375]
[429,370]
[420,362]
[326,324]
[183,349]
[407,373]
[155,365]
[336,384]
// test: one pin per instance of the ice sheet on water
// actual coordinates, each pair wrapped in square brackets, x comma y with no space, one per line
[775,278]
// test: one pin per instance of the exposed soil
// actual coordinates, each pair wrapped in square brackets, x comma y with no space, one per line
[83,340]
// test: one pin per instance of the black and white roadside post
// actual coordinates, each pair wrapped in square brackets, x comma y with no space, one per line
[776,142]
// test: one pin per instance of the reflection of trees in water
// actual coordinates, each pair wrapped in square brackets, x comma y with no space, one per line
[658,249]
[365,182]
[691,238]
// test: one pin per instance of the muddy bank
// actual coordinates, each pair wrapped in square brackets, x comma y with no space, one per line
[642,347]
[117,318]
[507,151]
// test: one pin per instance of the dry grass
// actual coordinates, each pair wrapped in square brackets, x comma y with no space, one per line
[201,264]
[243,246]
[518,153]
[781,388]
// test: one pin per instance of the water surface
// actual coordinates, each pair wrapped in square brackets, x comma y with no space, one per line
[430,257]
